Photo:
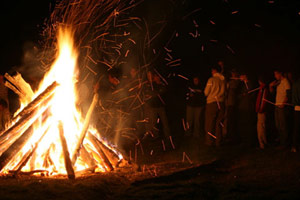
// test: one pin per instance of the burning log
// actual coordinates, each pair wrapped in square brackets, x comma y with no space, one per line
[27,116]
[86,171]
[18,144]
[19,86]
[44,96]
[113,157]
[68,163]
[10,153]
[29,153]
[48,160]
[86,157]
[96,144]
[11,134]
[32,172]
[85,128]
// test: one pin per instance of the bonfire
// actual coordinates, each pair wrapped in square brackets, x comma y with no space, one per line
[49,135]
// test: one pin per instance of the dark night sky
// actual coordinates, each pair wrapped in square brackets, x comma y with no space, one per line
[20,24]
[275,43]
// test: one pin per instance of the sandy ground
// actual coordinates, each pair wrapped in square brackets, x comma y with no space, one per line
[231,172]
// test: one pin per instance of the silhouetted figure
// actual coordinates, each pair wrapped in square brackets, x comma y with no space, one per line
[246,112]
[195,107]
[261,110]
[296,103]
[155,105]
[233,86]
[133,89]
[112,108]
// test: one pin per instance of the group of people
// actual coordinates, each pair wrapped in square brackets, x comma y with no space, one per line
[224,110]
[230,103]
[220,111]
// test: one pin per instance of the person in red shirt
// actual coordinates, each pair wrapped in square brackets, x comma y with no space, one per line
[261,108]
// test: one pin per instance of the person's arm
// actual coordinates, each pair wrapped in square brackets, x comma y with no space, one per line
[287,87]
[288,92]
[272,85]
[208,87]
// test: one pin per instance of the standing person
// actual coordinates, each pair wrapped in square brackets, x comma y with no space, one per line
[133,89]
[195,106]
[222,66]
[155,105]
[261,109]
[111,111]
[246,112]
[231,105]
[282,89]
[214,114]
[296,103]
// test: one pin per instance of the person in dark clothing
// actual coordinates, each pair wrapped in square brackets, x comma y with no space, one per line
[296,103]
[261,110]
[231,103]
[155,105]
[195,107]
[133,89]
[246,112]
[111,116]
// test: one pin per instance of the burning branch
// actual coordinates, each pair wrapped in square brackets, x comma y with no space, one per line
[85,128]
[96,144]
[68,163]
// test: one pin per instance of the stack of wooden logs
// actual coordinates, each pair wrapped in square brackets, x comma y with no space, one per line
[21,130]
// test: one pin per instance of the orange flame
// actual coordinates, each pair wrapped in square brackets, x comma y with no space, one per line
[63,108]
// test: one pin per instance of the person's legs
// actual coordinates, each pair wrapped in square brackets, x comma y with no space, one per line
[261,129]
[210,122]
[231,122]
[296,132]
[164,119]
[151,115]
[277,122]
[189,118]
[197,114]
[219,124]
[283,129]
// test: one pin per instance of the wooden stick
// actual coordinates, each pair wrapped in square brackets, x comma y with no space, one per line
[14,132]
[68,163]
[48,92]
[45,163]
[18,144]
[32,172]
[85,128]
[27,113]
[19,86]
[102,155]
[28,155]
[11,152]
[86,157]
[111,155]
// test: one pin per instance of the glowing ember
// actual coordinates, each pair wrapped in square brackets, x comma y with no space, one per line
[45,144]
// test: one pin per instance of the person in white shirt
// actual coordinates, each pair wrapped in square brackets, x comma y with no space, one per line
[282,88]
[214,113]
